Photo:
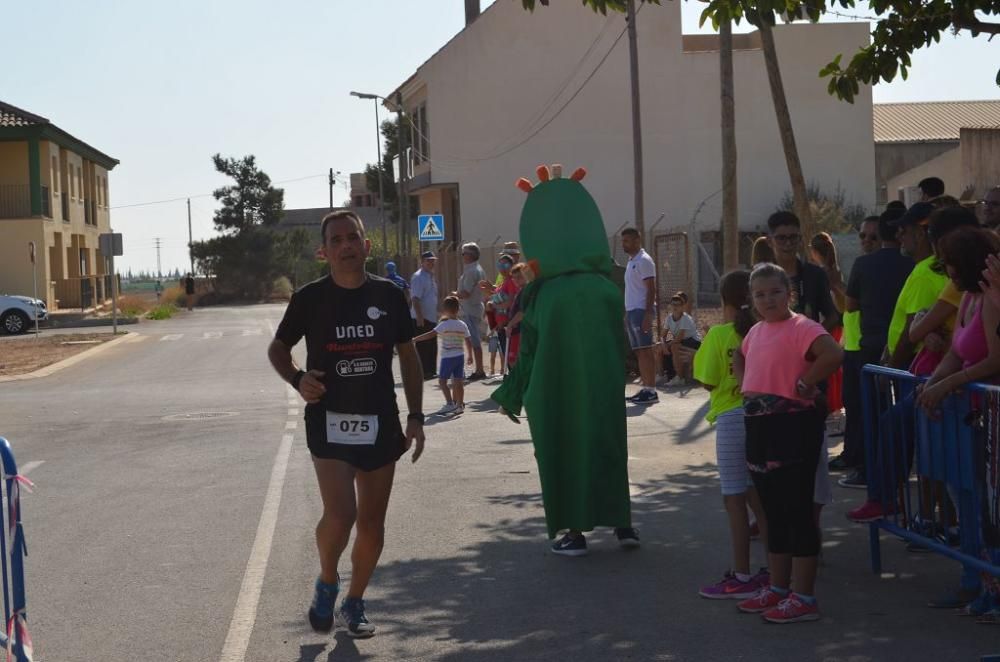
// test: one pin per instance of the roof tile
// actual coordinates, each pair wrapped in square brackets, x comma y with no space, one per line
[930,121]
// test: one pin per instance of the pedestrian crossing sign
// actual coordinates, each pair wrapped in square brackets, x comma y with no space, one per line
[430,227]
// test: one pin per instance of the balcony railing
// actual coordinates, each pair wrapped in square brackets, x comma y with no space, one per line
[15,201]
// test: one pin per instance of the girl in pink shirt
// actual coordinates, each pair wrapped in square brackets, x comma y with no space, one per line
[780,363]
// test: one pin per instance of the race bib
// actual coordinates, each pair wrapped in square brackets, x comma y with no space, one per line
[351,429]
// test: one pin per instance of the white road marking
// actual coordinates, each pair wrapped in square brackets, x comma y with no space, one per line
[208,335]
[291,425]
[172,336]
[245,614]
[252,332]
[293,412]
[30,466]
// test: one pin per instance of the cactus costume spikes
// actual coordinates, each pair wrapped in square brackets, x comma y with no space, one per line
[570,372]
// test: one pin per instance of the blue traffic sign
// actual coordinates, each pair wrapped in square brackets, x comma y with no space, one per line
[430,227]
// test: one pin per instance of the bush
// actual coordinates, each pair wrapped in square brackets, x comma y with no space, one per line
[132,305]
[282,289]
[174,295]
[831,211]
[163,311]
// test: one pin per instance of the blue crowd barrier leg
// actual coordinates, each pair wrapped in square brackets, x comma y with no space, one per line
[875,547]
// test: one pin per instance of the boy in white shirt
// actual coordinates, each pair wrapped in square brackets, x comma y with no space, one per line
[680,340]
[455,344]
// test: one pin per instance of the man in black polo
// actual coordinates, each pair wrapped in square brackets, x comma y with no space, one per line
[875,283]
[351,321]
[810,286]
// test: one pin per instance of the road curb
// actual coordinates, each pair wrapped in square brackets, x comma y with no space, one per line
[73,360]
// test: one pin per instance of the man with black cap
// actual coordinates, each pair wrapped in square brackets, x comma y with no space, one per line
[424,308]
[875,283]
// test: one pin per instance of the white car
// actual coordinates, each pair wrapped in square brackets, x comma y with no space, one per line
[17,313]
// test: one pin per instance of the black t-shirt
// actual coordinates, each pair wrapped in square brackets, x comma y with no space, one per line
[875,283]
[350,335]
[811,288]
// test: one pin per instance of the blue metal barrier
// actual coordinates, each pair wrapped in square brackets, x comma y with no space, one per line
[948,449]
[14,639]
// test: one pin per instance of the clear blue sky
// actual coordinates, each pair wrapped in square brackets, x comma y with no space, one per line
[162,86]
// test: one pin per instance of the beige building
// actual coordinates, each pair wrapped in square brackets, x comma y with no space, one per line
[53,192]
[498,99]
[956,141]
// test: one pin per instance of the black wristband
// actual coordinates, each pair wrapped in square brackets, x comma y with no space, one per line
[297,379]
[419,418]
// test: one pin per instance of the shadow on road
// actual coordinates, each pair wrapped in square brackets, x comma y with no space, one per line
[506,597]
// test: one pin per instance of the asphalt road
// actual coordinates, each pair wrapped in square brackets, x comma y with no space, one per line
[175,504]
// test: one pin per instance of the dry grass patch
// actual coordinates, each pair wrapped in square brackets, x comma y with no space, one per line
[22,355]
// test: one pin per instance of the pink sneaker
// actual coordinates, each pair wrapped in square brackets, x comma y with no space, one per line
[764,600]
[792,610]
[869,512]
[731,588]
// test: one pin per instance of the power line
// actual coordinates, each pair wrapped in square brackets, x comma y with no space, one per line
[207,195]
[457,159]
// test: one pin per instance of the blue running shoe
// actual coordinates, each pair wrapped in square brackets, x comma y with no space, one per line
[352,612]
[321,610]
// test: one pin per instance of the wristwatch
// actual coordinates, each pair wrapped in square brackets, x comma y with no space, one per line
[297,379]
[418,417]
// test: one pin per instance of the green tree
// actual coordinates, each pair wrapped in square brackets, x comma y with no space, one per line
[249,254]
[902,28]
[390,148]
[251,201]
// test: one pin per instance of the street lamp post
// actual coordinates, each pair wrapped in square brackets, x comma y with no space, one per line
[378,143]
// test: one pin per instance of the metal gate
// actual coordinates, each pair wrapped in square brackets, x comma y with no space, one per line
[671,252]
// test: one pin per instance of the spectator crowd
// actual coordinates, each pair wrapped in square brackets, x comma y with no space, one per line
[923,297]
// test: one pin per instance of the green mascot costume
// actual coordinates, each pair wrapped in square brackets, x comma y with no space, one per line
[570,371]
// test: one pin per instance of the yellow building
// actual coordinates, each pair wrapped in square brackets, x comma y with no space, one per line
[53,192]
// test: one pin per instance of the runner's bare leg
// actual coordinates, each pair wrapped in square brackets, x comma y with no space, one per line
[336,487]
[374,488]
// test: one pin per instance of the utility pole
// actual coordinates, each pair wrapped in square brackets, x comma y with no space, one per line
[633,56]
[403,224]
[159,270]
[381,203]
[190,238]
[332,181]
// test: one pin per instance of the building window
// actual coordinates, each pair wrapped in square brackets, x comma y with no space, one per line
[420,135]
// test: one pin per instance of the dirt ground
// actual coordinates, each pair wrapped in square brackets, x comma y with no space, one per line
[23,355]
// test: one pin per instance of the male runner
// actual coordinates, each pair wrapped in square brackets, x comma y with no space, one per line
[351,321]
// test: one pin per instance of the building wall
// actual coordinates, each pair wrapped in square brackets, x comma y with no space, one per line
[894,159]
[14,163]
[980,166]
[15,265]
[60,240]
[486,88]
[947,166]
